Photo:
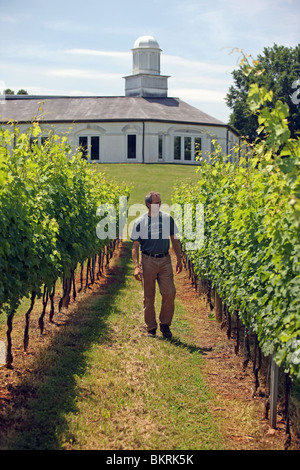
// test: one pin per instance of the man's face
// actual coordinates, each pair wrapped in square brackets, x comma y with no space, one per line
[156,203]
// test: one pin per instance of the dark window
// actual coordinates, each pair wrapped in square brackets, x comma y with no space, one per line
[33,140]
[83,144]
[95,141]
[198,146]
[177,147]
[160,146]
[131,146]
[187,148]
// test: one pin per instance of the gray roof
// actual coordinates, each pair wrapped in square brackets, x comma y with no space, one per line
[22,108]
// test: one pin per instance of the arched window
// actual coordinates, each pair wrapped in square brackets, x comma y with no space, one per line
[88,140]
[187,147]
[131,145]
[131,132]
[90,146]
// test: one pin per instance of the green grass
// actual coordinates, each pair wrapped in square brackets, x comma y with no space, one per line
[148,177]
[140,392]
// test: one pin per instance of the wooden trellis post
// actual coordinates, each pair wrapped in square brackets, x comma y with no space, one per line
[2,353]
[273,393]
[218,307]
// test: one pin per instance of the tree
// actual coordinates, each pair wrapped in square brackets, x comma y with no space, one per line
[276,69]
[8,91]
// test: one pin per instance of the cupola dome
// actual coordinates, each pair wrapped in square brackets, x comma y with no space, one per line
[146,42]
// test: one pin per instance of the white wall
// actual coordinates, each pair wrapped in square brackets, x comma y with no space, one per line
[113,139]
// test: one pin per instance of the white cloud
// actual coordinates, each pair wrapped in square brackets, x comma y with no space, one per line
[62,25]
[84,74]
[94,52]
[199,95]
[44,91]
[195,65]
[192,78]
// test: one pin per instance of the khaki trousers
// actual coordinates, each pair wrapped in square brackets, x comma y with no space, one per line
[160,270]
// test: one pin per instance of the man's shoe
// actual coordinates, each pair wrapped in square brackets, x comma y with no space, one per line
[166,331]
[152,333]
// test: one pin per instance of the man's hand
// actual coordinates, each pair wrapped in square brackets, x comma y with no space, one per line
[178,266]
[177,249]
[138,274]
[135,257]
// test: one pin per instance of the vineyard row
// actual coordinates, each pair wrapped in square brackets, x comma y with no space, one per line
[251,251]
[49,198]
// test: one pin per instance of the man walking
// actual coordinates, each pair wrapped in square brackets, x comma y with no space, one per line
[151,233]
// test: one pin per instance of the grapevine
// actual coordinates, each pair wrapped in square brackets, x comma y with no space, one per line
[250,253]
[48,202]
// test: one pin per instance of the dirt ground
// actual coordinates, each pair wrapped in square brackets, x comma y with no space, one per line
[239,415]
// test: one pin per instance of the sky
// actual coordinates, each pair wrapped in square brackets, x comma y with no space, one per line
[83,48]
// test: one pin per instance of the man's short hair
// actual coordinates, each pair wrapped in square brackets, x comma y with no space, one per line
[148,198]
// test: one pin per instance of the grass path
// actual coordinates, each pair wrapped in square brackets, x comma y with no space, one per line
[140,392]
[99,382]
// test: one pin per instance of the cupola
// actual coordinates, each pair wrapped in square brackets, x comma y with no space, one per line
[146,80]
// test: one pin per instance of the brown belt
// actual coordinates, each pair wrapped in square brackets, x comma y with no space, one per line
[155,255]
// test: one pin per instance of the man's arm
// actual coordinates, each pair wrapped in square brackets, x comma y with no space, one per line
[135,257]
[177,249]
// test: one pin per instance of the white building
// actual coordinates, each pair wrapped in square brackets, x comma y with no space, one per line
[144,126]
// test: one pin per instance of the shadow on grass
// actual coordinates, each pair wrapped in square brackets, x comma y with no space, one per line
[189,347]
[37,416]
